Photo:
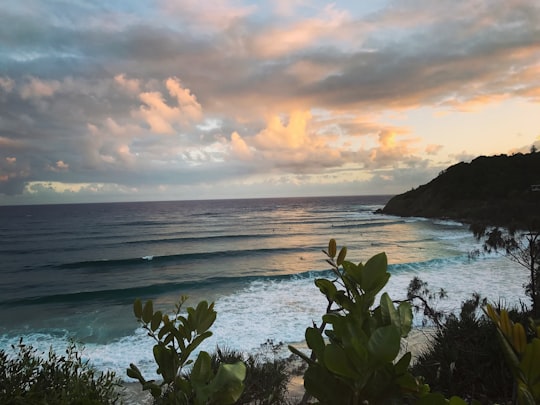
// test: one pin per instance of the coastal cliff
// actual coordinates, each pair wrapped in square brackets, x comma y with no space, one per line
[495,190]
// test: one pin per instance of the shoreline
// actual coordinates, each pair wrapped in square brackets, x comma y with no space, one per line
[416,342]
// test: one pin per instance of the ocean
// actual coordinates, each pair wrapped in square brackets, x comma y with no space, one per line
[73,271]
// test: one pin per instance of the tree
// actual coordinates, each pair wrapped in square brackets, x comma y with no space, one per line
[522,247]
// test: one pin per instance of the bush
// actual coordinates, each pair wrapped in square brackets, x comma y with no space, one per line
[28,378]
[177,338]
[354,352]
[465,359]
[266,378]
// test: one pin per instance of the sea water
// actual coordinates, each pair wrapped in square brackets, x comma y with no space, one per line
[73,271]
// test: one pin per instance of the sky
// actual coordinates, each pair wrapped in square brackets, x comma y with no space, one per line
[187,99]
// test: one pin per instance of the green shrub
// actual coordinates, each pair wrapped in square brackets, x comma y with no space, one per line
[177,339]
[523,358]
[28,378]
[464,358]
[354,350]
[266,378]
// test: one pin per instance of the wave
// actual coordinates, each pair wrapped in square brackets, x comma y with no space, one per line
[205,238]
[127,295]
[370,224]
[150,259]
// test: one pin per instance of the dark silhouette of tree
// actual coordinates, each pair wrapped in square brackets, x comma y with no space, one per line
[522,247]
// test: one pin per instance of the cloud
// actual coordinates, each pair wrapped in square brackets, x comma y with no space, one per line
[59,166]
[280,41]
[35,88]
[196,96]
[433,149]
[130,85]
[6,84]
[392,150]
[240,148]
[162,117]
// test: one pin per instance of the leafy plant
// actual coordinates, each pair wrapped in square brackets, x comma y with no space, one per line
[464,358]
[522,357]
[31,378]
[176,339]
[266,377]
[354,350]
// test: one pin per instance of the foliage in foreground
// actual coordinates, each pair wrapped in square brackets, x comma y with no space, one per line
[266,378]
[28,378]
[522,357]
[176,340]
[355,349]
[465,359]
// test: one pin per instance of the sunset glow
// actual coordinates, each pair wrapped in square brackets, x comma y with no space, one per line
[162,99]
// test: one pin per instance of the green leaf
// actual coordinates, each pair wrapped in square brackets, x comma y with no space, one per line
[403,364]
[201,372]
[134,372]
[165,360]
[341,256]
[337,361]
[530,366]
[327,287]
[156,321]
[165,329]
[226,387]
[384,344]
[353,271]
[294,350]
[203,317]
[374,275]
[406,318]
[326,387]
[137,308]
[332,248]
[196,342]
[389,314]
[315,342]
[148,311]
[457,401]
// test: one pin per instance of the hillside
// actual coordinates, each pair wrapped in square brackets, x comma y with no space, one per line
[493,190]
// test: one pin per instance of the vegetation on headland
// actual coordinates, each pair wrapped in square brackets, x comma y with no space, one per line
[495,190]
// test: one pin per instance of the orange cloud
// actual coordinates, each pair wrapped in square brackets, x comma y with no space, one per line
[391,150]
[278,135]
[240,148]
[162,117]
[288,143]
